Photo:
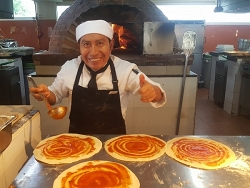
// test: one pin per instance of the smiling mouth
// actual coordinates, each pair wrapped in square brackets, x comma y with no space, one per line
[94,59]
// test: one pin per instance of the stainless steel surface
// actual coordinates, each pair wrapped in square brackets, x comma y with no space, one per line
[163,172]
[22,50]
[243,44]
[5,131]
[8,43]
[158,38]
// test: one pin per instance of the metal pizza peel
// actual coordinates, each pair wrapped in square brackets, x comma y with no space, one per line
[188,46]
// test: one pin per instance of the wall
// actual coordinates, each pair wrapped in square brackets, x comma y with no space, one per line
[224,34]
[26,32]
[30,33]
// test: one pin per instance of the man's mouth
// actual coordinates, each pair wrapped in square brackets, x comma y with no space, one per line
[94,59]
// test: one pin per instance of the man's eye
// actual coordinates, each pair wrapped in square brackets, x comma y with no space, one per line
[85,44]
[100,43]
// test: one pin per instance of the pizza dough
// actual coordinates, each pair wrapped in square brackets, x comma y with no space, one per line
[66,148]
[135,147]
[200,153]
[97,174]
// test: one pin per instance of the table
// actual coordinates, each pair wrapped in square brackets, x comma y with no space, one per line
[163,172]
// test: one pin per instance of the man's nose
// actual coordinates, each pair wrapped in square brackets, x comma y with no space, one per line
[93,50]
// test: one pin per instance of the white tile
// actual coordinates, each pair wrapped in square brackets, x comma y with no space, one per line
[14,157]
[32,133]
[153,70]
[160,121]
[150,121]
[187,123]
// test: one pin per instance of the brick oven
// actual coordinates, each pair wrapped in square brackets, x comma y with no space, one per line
[127,16]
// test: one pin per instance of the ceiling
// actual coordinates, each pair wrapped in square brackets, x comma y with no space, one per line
[184,2]
[157,2]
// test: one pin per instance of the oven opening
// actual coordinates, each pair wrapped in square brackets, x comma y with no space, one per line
[124,40]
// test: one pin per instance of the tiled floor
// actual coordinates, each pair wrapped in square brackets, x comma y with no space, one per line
[213,120]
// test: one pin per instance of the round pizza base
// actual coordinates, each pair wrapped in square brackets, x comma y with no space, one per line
[58,181]
[125,158]
[197,164]
[41,157]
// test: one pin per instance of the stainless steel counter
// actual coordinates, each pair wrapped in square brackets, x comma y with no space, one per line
[163,172]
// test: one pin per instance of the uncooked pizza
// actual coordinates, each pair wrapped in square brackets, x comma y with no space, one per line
[200,152]
[135,147]
[97,174]
[67,148]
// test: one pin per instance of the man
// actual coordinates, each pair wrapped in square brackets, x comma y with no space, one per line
[99,83]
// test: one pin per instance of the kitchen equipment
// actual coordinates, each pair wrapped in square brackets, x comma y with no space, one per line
[55,113]
[243,44]
[8,43]
[188,45]
[244,102]
[5,131]
[15,110]
[224,47]
[22,50]
[10,86]
[5,52]
[220,82]
[158,37]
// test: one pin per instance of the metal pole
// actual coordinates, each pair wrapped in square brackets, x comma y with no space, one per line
[181,96]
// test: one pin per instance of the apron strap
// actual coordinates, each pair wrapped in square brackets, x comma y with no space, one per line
[114,77]
[113,73]
[78,74]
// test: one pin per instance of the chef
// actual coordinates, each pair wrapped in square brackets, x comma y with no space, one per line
[98,83]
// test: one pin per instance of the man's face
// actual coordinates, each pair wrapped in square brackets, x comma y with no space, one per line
[95,50]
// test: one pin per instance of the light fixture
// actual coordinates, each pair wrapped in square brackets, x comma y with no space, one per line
[218,8]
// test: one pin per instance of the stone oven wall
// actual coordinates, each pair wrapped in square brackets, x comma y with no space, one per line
[122,12]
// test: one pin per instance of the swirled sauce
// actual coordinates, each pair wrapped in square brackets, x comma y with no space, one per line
[107,174]
[136,146]
[202,151]
[67,146]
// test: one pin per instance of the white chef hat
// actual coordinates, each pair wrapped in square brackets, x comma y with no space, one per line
[94,26]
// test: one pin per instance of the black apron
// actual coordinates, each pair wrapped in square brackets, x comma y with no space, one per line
[96,111]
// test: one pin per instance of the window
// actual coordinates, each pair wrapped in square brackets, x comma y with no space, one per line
[60,10]
[202,12]
[24,9]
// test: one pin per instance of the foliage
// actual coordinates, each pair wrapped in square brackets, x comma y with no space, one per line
[20,8]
